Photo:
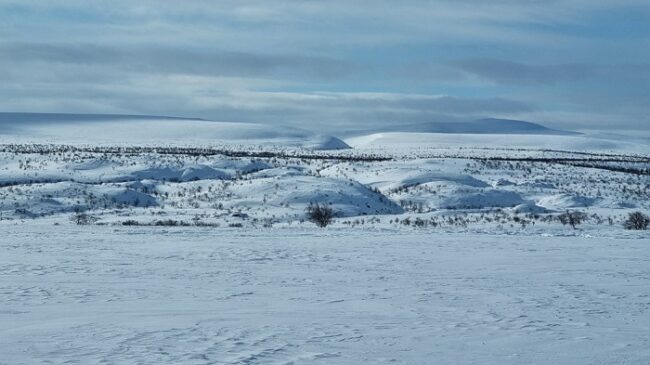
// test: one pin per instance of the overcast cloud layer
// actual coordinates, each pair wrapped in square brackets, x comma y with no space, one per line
[327,65]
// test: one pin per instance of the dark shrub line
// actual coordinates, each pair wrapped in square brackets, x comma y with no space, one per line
[185,151]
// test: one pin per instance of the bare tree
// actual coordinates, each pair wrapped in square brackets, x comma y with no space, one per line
[572,218]
[636,221]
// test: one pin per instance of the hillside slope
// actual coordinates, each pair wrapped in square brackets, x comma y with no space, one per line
[405,141]
[481,126]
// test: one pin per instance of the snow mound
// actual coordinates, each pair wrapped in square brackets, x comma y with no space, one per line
[191,173]
[327,143]
[484,199]
[242,166]
[435,176]
[529,207]
[95,164]
[130,197]
[392,175]
[404,179]
[280,171]
[202,172]
[560,201]
[625,204]
[347,198]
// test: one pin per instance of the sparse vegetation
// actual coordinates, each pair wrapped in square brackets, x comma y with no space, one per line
[83,219]
[572,218]
[636,221]
[166,182]
[320,214]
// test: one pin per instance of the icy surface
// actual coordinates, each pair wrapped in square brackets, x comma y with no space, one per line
[147,295]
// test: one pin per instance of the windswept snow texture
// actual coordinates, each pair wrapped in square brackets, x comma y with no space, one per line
[106,295]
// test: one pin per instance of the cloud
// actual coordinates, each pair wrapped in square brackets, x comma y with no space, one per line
[509,72]
[225,99]
[327,62]
[285,25]
[395,102]
[166,60]
[348,111]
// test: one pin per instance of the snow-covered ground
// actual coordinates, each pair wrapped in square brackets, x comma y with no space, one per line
[496,187]
[411,141]
[151,240]
[145,295]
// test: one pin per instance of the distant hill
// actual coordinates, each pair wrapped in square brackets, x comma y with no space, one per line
[481,126]
[12,117]
[136,129]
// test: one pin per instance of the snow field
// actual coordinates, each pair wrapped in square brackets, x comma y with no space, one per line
[107,295]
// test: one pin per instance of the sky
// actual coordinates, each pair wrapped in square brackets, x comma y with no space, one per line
[332,65]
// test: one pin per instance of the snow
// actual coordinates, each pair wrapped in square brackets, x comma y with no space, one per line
[327,143]
[138,129]
[445,248]
[393,174]
[47,180]
[488,198]
[101,294]
[530,207]
[347,198]
[404,140]
[562,201]
[481,126]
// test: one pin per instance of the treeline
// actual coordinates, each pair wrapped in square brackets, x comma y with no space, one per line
[595,163]
[43,149]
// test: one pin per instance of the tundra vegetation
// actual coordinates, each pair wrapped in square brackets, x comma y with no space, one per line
[237,187]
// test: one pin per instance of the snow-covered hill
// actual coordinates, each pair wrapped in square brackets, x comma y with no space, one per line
[163,241]
[109,129]
[395,141]
[151,130]
[222,172]
[481,126]
[275,186]
[492,133]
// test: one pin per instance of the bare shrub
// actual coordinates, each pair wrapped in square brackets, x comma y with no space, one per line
[321,215]
[83,219]
[636,221]
[572,218]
